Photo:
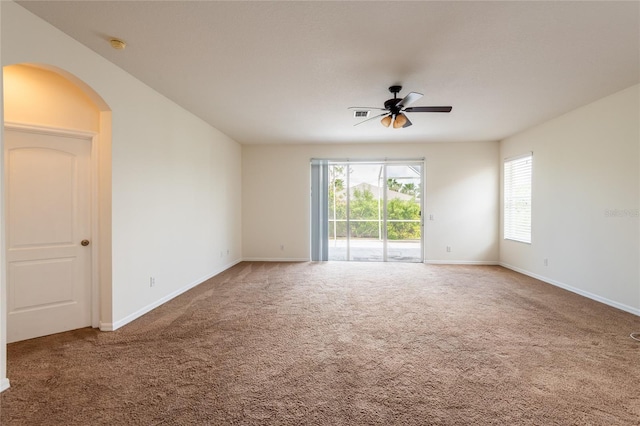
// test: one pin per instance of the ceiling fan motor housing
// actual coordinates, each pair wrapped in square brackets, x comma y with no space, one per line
[391,105]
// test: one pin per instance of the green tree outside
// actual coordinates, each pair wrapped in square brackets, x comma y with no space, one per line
[365,211]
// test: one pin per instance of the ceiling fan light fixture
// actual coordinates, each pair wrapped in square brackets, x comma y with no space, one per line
[400,121]
[386,121]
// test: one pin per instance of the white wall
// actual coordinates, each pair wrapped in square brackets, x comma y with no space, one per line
[39,96]
[585,201]
[462,186]
[176,201]
[176,181]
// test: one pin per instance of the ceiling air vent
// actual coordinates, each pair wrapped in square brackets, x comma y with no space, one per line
[361,114]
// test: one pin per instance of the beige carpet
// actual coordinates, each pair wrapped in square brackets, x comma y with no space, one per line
[341,344]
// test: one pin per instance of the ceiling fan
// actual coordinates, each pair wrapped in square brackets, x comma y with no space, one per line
[395,109]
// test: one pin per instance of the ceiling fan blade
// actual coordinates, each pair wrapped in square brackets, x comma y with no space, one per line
[408,123]
[410,98]
[379,109]
[429,109]
[368,119]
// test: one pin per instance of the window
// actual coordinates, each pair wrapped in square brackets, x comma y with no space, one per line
[517,198]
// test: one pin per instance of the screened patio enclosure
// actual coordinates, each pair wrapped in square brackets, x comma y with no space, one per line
[368,211]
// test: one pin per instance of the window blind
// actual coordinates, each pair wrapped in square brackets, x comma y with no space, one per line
[517,198]
[319,210]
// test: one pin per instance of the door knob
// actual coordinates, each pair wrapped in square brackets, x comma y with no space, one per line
[85,242]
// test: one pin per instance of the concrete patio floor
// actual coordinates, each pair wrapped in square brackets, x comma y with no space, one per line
[371,250]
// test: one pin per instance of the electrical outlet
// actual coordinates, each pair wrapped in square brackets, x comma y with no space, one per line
[281,247]
[152,281]
[227,252]
[546,262]
[448,249]
[430,217]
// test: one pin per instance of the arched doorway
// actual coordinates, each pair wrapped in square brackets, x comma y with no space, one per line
[58,238]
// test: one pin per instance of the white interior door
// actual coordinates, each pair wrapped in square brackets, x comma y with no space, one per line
[47,178]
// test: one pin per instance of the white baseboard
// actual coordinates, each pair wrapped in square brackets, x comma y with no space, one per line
[433,262]
[462,262]
[4,384]
[105,326]
[140,312]
[572,289]
[276,259]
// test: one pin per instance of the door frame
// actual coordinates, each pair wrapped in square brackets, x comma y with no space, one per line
[93,139]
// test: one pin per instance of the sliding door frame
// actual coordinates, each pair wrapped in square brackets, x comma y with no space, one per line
[320,230]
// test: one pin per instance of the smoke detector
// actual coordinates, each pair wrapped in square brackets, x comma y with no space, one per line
[117,44]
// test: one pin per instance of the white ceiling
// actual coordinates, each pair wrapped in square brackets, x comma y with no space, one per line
[286,72]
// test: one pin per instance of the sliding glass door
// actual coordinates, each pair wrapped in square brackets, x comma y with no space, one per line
[374,211]
[403,212]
